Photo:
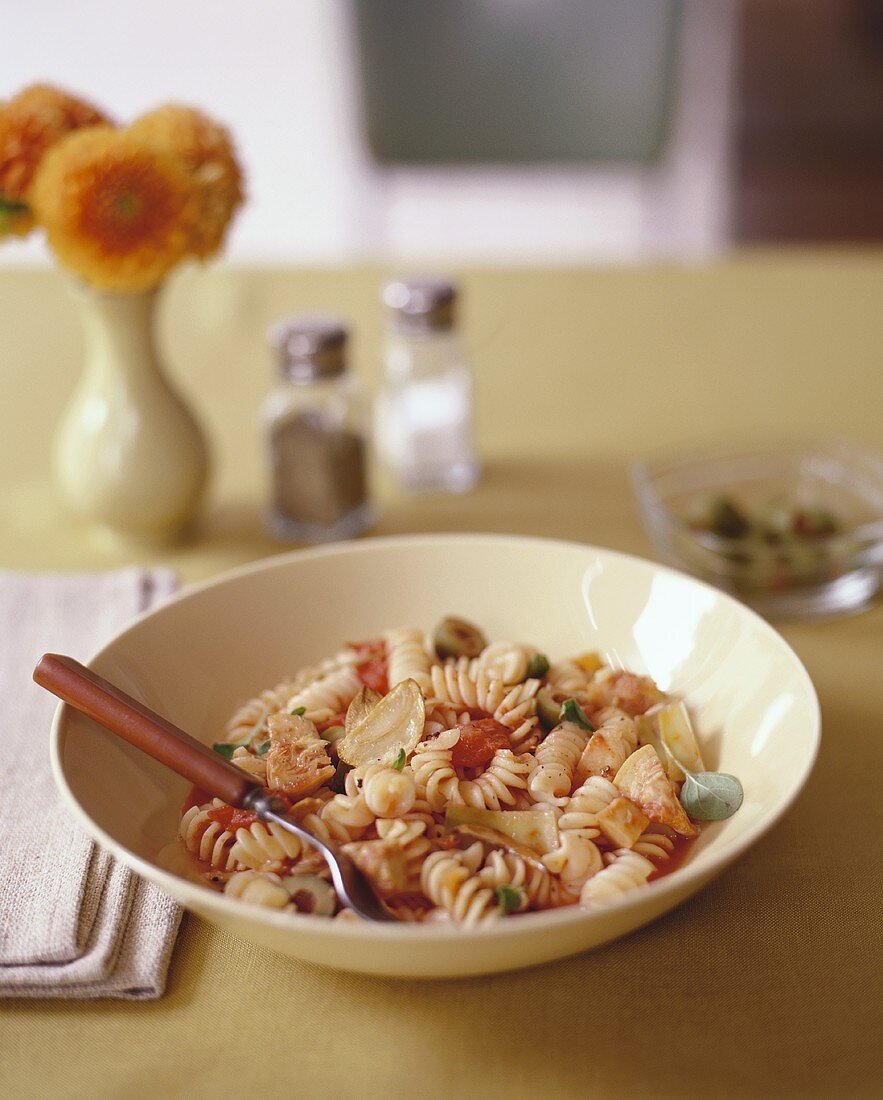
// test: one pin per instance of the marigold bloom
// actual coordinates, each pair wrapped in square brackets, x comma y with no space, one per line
[30,124]
[116,210]
[206,151]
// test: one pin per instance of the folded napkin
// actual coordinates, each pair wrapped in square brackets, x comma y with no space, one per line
[75,923]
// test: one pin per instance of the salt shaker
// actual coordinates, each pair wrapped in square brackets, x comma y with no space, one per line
[316,424]
[425,415]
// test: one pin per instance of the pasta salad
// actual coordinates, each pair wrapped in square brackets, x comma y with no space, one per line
[471,781]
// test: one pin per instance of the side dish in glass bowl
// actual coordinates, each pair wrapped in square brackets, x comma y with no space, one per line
[794,530]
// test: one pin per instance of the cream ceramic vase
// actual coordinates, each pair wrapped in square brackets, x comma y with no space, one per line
[129,455]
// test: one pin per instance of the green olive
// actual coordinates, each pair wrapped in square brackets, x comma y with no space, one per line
[538,666]
[311,894]
[457,638]
[549,703]
[725,518]
[338,780]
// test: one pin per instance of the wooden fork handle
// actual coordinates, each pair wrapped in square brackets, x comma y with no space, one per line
[88,692]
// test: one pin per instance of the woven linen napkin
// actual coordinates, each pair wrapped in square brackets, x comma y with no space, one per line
[76,923]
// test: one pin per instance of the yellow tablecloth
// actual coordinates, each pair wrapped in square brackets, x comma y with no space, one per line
[766,984]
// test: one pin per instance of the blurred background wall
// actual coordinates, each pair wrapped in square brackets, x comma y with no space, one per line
[553,131]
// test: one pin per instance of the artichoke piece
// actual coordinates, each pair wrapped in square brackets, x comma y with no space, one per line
[622,822]
[311,894]
[457,638]
[643,779]
[392,725]
[384,863]
[668,729]
[536,830]
[497,839]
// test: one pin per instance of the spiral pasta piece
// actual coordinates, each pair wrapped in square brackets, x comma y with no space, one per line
[441,716]
[347,818]
[256,766]
[265,847]
[557,757]
[407,658]
[433,770]
[568,678]
[252,716]
[410,835]
[626,871]
[387,792]
[208,840]
[580,811]
[495,788]
[328,696]
[654,844]
[542,889]
[449,880]
[506,661]
[464,685]
[574,860]
[258,888]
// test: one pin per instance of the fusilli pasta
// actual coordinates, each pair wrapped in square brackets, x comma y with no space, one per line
[462,807]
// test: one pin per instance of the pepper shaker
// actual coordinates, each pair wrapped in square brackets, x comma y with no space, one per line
[315,420]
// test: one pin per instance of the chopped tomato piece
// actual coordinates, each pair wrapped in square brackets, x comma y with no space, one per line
[232,818]
[478,743]
[334,720]
[373,673]
[374,647]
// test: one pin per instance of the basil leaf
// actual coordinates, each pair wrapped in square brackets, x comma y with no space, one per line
[298,711]
[224,748]
[510,899]
[263,748]
[571,711]
[538,666]
[399,762]
[711,796]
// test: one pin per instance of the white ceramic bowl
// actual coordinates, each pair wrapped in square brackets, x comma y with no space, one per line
[197,657]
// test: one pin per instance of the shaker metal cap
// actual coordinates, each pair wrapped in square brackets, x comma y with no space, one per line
[309,348]
[421,304]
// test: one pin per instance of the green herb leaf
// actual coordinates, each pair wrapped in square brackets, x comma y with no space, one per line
[571,711]
[263,748]
[510,899]
[10,206]
[298,711]
[399,762]
[711,796]
[224,748]
[538,666]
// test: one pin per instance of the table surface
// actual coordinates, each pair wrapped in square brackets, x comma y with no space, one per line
[766,983]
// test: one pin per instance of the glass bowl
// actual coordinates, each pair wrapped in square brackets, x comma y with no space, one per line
[807,577]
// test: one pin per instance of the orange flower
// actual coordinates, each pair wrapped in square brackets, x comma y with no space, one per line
[30,124]
[115,209]
[205,150]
